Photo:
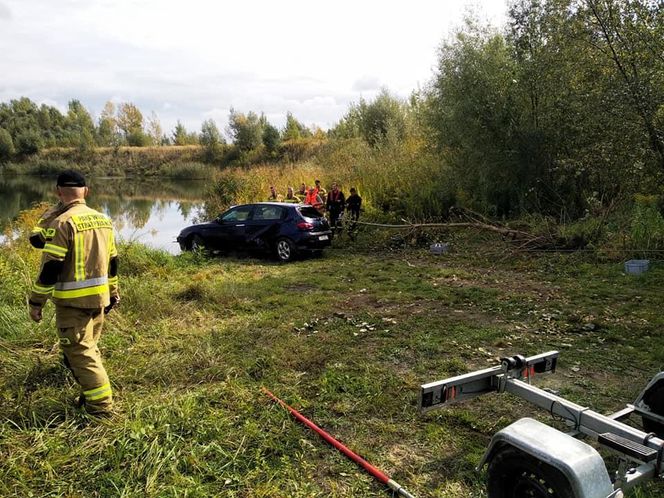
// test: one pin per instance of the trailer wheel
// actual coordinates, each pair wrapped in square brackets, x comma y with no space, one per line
[654,398]
[515,474]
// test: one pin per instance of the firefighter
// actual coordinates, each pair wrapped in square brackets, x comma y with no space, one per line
[291,197]
[320,190]
[79,273]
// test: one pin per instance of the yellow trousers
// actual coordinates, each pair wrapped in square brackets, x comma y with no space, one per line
[79,330]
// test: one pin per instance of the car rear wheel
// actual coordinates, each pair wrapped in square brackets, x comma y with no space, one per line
[285,250]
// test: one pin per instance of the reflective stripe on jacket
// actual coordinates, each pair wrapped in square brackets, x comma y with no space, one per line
[42,232]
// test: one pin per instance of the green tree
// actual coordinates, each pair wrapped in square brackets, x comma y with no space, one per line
[182,137]
[348,126]
[107,127]
[245,130]
[80,127]
[210,135]
[211,140]
[138,138]
[588,86]
[20,116]
[271,138]
[473,115]
[294,130]
[154,129]
[52,125]
[630,34]
[130,122]
[79,124]
[384,118]
[6,145]
[28,142]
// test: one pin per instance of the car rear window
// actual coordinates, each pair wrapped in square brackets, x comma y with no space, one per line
[310,212]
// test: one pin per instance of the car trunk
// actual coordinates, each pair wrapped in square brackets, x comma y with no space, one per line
[313,216]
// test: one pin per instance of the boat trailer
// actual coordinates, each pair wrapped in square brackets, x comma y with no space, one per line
[531,459]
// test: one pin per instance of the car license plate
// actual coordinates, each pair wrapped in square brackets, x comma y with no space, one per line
[323,237]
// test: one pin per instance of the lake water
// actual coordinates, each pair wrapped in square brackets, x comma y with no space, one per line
[151,211]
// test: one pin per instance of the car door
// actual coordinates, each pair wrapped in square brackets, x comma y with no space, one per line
[264,224]
[232,227]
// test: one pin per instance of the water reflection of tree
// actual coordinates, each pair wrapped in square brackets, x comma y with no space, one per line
[130,202]
[135,212]
[185,209]
[16,197]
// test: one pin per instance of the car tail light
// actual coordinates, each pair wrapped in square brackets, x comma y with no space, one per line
[305,225]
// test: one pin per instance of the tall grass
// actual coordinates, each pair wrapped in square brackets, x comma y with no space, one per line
[395,180]
[347,339]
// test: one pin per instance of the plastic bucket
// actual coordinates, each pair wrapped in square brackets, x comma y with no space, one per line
[636,266]
[439,248]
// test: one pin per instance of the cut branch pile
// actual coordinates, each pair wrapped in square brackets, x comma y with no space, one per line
[522,240]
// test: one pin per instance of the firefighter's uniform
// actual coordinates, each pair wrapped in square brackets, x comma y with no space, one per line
[42,232]
[79,274]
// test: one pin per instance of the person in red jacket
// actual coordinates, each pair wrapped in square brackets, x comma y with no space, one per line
[313,198]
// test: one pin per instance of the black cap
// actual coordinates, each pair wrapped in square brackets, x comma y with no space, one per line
[70,178]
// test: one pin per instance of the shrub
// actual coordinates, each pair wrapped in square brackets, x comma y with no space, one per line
[187,170]
[647,226]
[138,138]
[225,192]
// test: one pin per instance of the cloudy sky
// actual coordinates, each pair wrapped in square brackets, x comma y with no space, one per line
[195,60]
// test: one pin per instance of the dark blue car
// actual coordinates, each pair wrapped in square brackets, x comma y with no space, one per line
[280,228]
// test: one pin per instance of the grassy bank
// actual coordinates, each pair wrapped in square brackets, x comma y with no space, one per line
[347,339]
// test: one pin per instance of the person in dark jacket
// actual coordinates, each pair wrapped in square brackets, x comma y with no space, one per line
[353,206]
[335,205]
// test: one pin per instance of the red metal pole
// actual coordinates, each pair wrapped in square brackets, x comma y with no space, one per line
[382,477]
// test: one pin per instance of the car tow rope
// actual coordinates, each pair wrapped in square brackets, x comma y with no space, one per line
[382,477]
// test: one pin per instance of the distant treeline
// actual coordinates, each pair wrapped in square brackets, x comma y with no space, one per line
[27,128]
[560,113]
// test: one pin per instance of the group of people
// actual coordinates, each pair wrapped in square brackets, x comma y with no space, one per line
[334,202]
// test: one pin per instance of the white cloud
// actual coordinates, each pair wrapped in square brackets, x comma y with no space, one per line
[197,61]
[366,83]
[5,13]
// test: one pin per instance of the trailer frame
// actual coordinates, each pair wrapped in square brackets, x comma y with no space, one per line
[640,453]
